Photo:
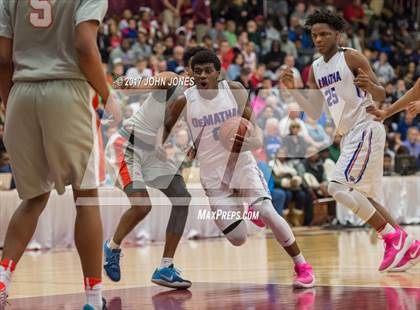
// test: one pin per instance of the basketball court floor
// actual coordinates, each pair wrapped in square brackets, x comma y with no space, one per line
[257,275]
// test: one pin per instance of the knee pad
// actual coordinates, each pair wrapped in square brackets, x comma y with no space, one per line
[341,193]
[352,199]
[236,233]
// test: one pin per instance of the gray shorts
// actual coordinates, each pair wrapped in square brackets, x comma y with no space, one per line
[51,136]
[128,164]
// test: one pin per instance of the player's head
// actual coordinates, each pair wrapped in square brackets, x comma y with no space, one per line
[205,66]
[189,54]
[325,29]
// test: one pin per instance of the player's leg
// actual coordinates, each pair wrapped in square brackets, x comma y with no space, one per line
[140,206]
[19,232]
[180,198]
[304,274]
[357,176]
[88,239]
[125,162]
[382,211]
[73,159]
[23,136]
[255,193]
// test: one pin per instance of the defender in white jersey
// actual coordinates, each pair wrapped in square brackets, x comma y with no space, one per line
[348,85]
[136,160]
[49,62]
[231,179]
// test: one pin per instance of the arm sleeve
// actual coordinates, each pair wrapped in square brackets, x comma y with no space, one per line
[6,29]
[91,10]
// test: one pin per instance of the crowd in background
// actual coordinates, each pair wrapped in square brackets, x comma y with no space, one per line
[253,39]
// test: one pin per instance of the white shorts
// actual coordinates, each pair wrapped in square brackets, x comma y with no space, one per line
[129,164]
[247,189]
[360,165]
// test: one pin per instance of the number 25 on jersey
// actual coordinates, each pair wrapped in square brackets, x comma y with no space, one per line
[331,96]
[41,13]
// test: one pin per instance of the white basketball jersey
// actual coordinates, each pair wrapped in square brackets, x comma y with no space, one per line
[346,102]
[205,117]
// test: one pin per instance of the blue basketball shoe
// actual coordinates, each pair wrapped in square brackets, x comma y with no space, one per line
[170,277]
[112,263]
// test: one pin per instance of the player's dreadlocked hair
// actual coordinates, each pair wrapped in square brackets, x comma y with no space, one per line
[323,16]
[206,57]
[190,52]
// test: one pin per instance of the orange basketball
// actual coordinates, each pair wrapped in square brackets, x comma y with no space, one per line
[232,127]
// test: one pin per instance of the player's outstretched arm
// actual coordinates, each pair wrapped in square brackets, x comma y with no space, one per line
[6,68]
[313,106]
[365,78]
[241,95]
[410,100]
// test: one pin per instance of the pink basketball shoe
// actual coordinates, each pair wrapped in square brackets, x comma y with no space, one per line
[411,257]
[396,245]
[304,277]
[257,221]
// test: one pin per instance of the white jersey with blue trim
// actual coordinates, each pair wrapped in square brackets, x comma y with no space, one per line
[204,119]
[346,102]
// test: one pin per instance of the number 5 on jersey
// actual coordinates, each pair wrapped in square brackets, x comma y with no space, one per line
[41,13]
[331,96]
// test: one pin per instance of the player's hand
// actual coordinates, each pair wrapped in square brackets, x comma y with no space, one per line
[113,110]
[251,141]
[413,109]
[379,114]
[287,78]
[363,81]
[161,153]
[191,153]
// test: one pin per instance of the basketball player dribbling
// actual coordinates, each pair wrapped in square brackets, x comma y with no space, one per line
[49,60]
[348,84]
[206,106]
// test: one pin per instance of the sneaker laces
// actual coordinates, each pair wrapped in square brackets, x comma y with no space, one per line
[114,258]
[303,269]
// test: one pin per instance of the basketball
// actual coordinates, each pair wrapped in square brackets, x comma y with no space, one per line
[231,127]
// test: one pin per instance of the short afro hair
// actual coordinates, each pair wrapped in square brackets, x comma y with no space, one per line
[206,57]
[190,52]
[326,17]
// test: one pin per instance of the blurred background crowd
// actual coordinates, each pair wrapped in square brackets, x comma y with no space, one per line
[253,39]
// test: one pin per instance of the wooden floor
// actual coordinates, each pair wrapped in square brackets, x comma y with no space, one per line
[344,261]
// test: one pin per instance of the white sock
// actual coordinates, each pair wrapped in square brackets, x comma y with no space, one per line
[113,245]
[166,262]
[387,230]
[299,259]
[94,296]
[278,225]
